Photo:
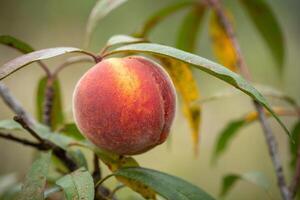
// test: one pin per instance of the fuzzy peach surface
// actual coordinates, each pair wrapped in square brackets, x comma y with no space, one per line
[125,105]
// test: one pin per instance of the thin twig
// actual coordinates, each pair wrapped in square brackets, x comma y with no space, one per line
[70,61]
[27,120]
[296,178]
[241,64]
[95,57]
[25,142]
[44,67]
[14,104]
[23,123]
[97,175]
[48,102]
[59,152]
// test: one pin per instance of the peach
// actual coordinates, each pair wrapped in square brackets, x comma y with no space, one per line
[125,105]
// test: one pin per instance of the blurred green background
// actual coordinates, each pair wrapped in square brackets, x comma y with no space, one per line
[52,23]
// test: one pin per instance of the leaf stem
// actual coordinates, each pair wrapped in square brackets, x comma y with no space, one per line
[103,179]
[241,64]
[113,192]
[95,57]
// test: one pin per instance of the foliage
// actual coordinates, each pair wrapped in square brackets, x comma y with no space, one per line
[63,141]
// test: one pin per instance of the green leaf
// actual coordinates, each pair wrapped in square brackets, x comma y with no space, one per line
[100,10]
[78,157]
[57,116]
[294,146]
[15,43]
[44,132]
[227,134]
[257,178]
[71,130]
[203,64]
[10,125]
[123,39]
[78,185]
[21,61]
[60,140]
[159,16]
[115,162]
[188,32]
[167,186]
[266,23]
[35,180]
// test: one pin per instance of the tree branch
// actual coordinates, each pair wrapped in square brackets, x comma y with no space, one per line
[48,101]
[25,142]
[97,175]
[14,104]
[296,179]
[23,123]
[244,70]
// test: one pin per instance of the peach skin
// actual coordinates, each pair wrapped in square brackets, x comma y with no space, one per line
[125,105]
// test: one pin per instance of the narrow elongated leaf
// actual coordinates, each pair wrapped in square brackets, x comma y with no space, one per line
[15,43]
[221,43]
[115,162]
[167,186]
[203,64]
[43,131]
[266,90]
[188,32]
[226,136]
[100,10]
[35,180]
[232,128]
[181,74]
[60,140]
[57,116]
[24,60]
[257,178]
[123,39]
[294,146]
[9,124]
[78,185]
[266,23]
[158,17]
[71,130]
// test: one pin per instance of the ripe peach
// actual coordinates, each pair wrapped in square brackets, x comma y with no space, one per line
[125,105]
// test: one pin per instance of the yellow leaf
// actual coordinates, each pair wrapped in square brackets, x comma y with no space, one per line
[186,86]
[221,44]
[115,162]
